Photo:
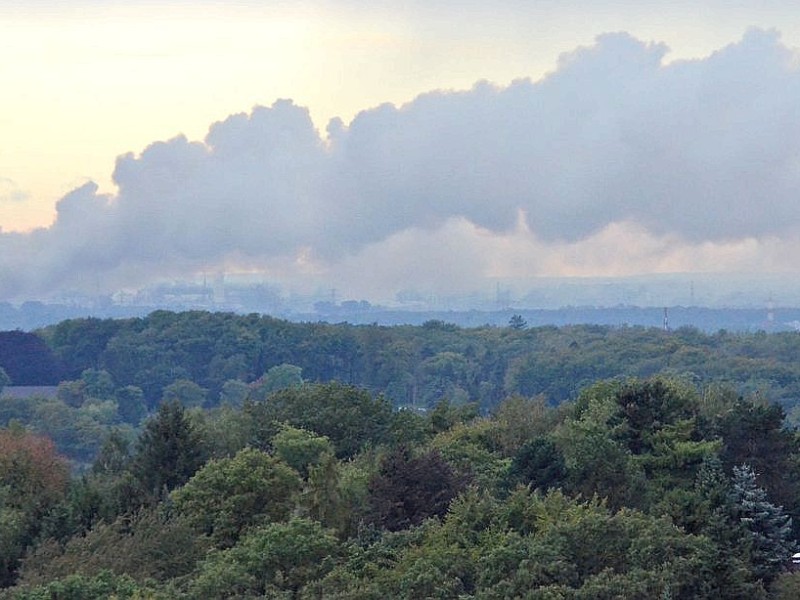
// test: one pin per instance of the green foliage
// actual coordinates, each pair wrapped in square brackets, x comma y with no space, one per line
[98,383]
[17,410]
[646,408]
[634,498]
[323,497]
[279,377]
[598,464]
[446,414]
[77,432]
[754,434]
[518,419]
[168,451]
[786,586]
[408,426]
[148,545]
[72,393]
[347,485]
[229,495]
[15,535]
[103,586]
[412,365]
[276,559]
[634,441]
[300,449]
[224,430]
[185,392]
[130,404]
[346,415]
[27,359]
[538,464]
[471,450]
[447,376]
[233,393]
[114,455]
[532,546]
[90,499]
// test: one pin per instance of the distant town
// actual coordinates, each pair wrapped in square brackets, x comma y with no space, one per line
[707,302]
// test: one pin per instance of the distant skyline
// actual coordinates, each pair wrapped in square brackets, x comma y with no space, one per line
[521,140]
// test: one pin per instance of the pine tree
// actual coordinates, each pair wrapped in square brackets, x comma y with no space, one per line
[169,451]
[769,528]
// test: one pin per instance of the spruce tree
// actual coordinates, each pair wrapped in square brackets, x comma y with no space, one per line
[769,529]
[717,517]
[169,451]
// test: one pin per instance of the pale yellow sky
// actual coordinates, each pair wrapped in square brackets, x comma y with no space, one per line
[85,82]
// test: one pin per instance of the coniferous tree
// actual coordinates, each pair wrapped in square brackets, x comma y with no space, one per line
[169,451]
[769,528]
[716,518]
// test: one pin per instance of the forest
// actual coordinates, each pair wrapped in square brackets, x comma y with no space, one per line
[213,455]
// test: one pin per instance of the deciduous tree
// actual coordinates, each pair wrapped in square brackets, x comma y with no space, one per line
[408,489]
[228,495]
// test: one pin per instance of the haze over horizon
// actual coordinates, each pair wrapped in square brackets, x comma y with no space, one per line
[620,160]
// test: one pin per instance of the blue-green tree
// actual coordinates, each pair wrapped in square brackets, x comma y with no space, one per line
[769,528]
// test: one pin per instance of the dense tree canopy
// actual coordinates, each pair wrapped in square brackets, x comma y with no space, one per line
[228,495]
[33,478]
[27,359]
[409,365]
[221,456]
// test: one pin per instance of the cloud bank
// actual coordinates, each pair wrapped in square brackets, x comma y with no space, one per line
[615,163]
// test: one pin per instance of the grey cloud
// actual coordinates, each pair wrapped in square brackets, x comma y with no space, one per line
[706,149]
[250,187]
[695,150]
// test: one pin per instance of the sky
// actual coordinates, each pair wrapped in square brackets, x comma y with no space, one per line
[386,146]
